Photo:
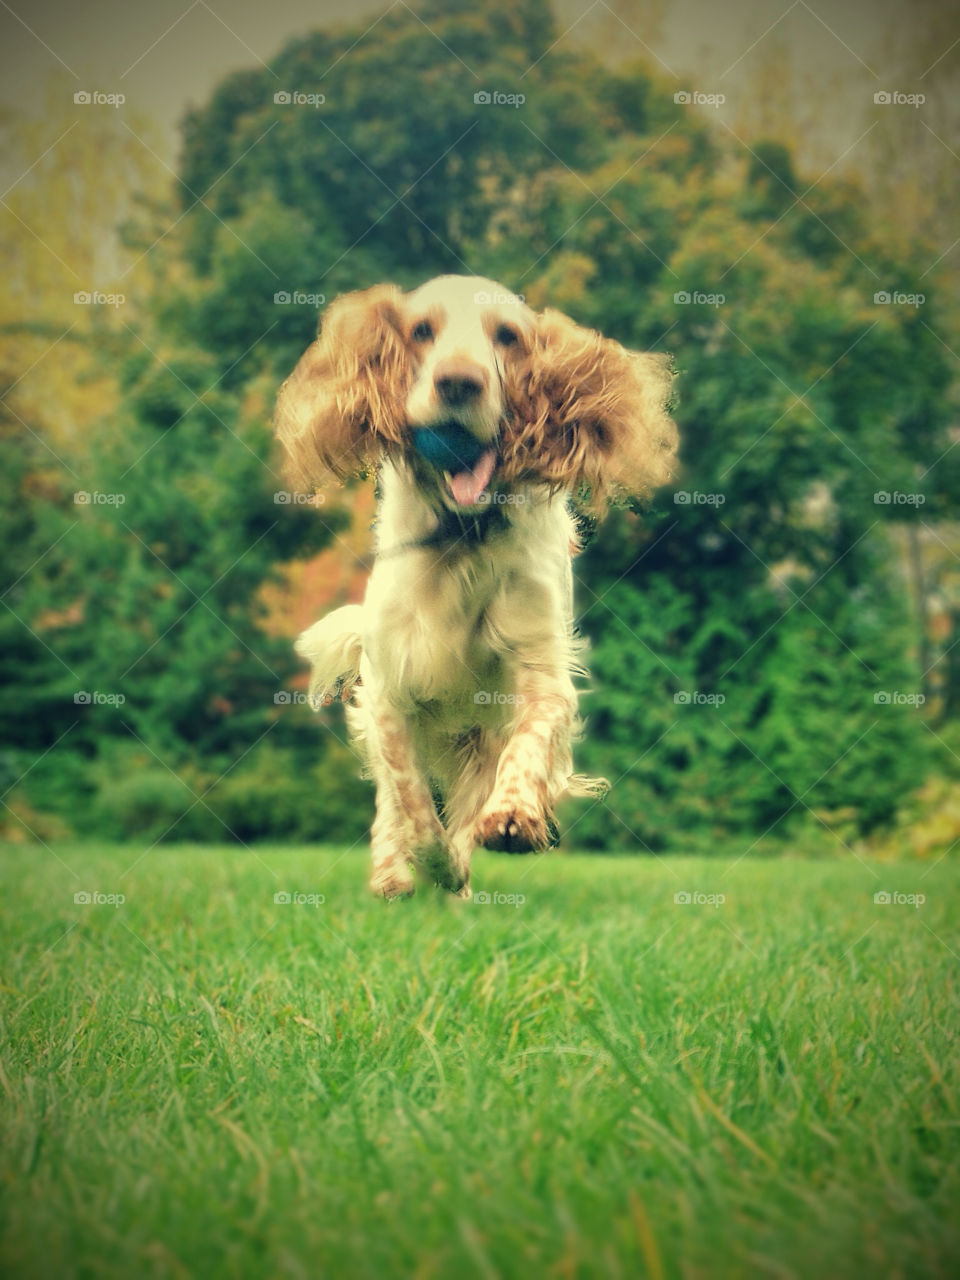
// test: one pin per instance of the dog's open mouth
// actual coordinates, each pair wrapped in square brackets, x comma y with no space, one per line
[469,486]
[466,463]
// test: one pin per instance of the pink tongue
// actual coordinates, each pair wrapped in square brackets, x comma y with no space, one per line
[467,486]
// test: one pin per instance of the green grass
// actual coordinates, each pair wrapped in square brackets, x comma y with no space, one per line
[595,1082]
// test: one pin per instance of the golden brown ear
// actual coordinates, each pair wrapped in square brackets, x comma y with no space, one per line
[343,403]
[587,412]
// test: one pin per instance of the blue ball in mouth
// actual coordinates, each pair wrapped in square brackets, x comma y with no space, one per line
[448,447]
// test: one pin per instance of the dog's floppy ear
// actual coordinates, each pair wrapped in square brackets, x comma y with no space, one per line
[589,413]
[343,404]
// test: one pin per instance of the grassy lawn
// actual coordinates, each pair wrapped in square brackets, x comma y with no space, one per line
[594,1081]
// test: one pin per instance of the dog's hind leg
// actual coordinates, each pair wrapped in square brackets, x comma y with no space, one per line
[467,790]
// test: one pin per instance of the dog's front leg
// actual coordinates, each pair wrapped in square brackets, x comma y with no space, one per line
[533,766]
[406,827]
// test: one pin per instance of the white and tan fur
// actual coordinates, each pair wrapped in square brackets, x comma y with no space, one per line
[457,669]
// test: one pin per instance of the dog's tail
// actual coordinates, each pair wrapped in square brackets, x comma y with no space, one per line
[333,647]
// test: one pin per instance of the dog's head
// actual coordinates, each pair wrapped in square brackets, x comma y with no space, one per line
[472,388]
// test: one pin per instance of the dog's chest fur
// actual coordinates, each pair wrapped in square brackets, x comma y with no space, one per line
[444,623]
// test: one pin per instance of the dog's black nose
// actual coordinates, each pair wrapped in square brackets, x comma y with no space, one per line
[458,391]
[459,383]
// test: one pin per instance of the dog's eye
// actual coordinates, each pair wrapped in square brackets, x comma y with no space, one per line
[505,336]
[423,331]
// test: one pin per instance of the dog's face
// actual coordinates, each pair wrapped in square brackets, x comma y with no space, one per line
[467,338]
[472,388]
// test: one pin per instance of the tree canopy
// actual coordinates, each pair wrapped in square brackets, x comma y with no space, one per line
[751,657]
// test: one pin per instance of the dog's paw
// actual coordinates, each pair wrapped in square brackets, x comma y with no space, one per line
[392,883]
[441,866]
[515,830]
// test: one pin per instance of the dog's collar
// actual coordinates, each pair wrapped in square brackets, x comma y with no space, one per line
[457,529]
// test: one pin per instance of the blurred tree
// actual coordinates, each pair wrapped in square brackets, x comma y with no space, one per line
[763,579]
[74,174]
[801,399]
[36,687]
[172,560]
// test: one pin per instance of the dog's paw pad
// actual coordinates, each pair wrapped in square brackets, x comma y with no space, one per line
[514,831]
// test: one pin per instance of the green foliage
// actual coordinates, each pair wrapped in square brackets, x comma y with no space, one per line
[764,577]
[736,712]
[36,688]
[273,793]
